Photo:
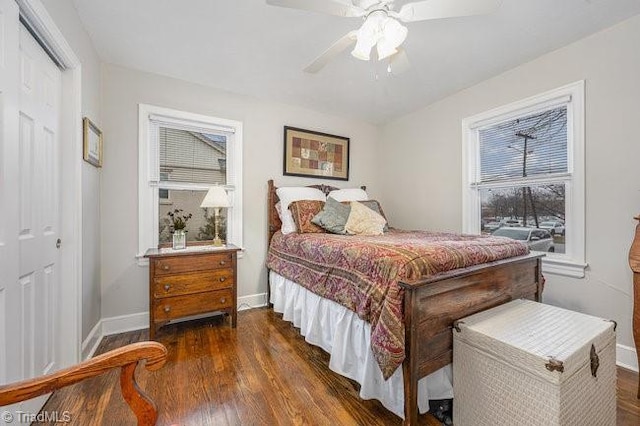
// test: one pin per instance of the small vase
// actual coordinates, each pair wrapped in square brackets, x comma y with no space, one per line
[179,239]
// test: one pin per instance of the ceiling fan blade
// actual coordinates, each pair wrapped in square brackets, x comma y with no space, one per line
[336,48]
[399,62]
[331,7]
[437,9]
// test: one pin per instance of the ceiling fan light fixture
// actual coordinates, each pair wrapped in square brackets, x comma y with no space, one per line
[382,31]
[382,26]
[367,37]
[385,50]
[394,31]
[362,49]
[392,36]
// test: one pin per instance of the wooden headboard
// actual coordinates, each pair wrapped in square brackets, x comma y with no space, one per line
[272,198]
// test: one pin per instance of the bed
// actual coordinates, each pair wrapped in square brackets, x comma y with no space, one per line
[427,301]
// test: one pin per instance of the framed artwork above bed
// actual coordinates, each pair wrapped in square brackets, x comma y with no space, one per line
[314,154]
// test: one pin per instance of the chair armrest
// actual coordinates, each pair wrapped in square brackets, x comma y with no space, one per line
[126,358]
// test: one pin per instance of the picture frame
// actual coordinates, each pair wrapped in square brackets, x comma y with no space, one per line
[92,143]
[314,154]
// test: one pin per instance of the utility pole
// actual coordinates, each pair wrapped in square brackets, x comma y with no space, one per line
[526,190]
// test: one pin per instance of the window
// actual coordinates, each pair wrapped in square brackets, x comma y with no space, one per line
[524,168]
[181,156]
[163,194]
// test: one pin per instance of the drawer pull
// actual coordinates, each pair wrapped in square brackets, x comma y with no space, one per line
[167,309]
[222,263]
[222,300]
[165,267]
[167,287]
[222,279]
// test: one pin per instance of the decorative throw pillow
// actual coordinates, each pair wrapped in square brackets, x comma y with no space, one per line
[376,207]
[348,194]
[288,195]
[364,221]
[303,211]
[333,216]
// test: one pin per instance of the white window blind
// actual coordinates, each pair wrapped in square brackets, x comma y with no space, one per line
[529,146]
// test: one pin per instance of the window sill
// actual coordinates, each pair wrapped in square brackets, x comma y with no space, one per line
[564,267]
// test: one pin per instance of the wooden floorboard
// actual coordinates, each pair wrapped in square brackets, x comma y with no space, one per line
[261,373]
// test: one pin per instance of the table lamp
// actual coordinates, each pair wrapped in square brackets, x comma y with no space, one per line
[217,198]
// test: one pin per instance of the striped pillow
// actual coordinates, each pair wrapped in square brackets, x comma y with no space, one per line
[303,211]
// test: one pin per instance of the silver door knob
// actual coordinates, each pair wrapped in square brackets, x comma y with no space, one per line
[167,287]
[222,279]
[222,263]
[167,309]
[222,300]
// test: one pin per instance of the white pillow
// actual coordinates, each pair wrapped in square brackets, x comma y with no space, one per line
[290,194]
[349,194]
[364,221]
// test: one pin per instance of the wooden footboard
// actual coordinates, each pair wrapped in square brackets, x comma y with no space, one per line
[432,305]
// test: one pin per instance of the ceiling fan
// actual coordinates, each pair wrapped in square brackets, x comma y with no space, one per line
[382,28]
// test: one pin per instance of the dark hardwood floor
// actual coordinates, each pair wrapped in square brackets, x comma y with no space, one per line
[261,373]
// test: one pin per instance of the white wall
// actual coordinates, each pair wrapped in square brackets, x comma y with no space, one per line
[124,283]
[422,154]
[66,18]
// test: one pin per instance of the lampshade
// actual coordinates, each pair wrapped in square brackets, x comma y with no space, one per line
[216,197]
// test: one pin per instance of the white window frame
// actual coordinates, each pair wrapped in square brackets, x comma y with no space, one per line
[572,263]
[149,173]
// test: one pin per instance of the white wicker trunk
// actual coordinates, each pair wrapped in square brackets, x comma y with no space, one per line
[507,364]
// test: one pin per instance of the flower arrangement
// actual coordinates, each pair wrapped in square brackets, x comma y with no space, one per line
[179,219]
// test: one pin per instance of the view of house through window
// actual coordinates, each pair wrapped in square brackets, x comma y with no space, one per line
[523,178]
[189,159]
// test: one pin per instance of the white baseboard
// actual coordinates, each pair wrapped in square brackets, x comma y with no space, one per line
[626,357]
[140,320]
[251,301]
[124,323]
[90,344]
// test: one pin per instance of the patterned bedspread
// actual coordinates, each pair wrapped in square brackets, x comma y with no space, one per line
[362,273]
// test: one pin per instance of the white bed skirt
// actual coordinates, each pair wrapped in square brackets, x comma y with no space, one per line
[345,336]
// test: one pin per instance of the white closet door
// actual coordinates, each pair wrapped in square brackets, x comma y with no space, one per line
[39,203]
[31,88]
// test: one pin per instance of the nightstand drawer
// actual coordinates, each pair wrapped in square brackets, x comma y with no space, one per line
[198,282]
[180,306]
[194,263]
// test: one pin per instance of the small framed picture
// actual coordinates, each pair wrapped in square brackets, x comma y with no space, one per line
[92,151]
[315,154]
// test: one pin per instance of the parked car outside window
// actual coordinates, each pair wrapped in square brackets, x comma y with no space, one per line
[536,239]
[492,226]
[553,227]
[511,222]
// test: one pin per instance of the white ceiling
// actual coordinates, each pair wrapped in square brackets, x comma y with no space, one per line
[248,47]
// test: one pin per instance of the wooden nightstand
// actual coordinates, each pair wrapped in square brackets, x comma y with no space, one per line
[193,281]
